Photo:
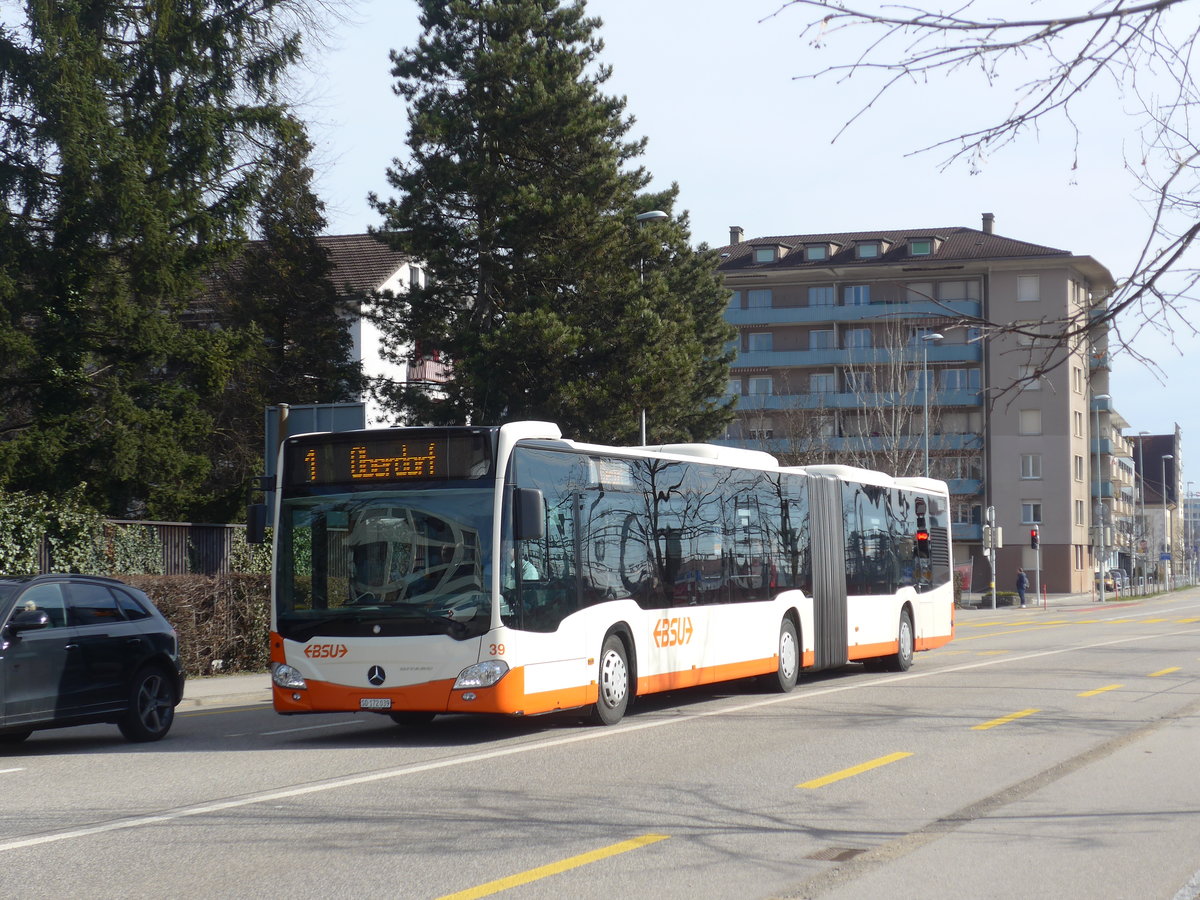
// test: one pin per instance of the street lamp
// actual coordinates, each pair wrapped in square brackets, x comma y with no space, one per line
[1166,524]
[1100,560]
[642,219]
[1143,531]
[926,339]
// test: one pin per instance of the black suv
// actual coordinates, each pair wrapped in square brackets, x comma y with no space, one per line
[76,649]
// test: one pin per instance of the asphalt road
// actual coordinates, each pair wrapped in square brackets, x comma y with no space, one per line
[1043,753]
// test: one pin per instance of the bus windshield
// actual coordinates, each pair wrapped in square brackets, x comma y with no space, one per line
[385,562]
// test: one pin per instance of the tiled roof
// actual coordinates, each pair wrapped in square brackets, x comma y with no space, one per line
[953,244]
[361,262]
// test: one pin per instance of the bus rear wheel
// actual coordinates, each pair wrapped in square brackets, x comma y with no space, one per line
[787,673]
[613,683]
[903,659]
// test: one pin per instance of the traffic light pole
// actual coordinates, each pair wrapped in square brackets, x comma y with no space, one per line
[1036,535]
[991,550]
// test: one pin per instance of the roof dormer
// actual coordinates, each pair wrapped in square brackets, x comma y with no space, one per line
[818,252]
[924,245]
[769,253]
[871,248]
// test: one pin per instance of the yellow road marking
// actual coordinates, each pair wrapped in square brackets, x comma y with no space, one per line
[512,881]
[993,652]
[853,770]
[1108,687]
[1164,671]
[1004,720]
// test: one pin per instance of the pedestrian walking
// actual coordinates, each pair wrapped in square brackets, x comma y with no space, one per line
[1022,585]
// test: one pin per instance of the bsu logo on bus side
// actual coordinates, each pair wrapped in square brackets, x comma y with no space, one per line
[672,632]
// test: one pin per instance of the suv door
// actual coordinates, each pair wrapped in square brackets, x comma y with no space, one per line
[109,646]
[41,666]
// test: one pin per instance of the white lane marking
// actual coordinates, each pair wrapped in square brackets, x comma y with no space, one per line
[8,771]
[172,815]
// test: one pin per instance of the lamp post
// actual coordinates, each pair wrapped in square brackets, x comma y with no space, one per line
[1100,555]
[1142,530]
[1166,524]
[642,219]
[926,339]
[1187,536]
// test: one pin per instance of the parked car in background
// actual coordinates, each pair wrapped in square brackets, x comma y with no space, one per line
[1120,579]
[79,649]
[1109,584]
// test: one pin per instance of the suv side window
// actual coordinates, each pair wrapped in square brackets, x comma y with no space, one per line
[92,604]
[49,599]
[130,605]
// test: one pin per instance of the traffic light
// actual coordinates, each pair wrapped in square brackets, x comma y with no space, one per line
[1033,537]
[922,549]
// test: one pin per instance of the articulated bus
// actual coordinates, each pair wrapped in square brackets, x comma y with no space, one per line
[507,570]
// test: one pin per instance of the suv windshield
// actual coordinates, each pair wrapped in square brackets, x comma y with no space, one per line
[385,562]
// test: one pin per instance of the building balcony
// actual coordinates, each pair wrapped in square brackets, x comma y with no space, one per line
[909,357]
[844,400]
[962,532]
[874,444]
[964,487]
[877,312]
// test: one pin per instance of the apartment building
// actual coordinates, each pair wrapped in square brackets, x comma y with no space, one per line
[940,350]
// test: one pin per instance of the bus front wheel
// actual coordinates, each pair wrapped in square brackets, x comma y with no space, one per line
[787,673]
[903,659]
[613,682]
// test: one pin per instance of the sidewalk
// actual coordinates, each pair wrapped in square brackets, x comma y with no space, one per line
[226,690]
[1051,601]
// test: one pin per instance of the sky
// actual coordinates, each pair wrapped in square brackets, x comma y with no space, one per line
[719,90]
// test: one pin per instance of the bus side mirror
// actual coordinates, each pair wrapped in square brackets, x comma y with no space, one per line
[528,521]
[256,523]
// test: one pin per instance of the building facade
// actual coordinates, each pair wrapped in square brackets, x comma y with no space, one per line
[941,350]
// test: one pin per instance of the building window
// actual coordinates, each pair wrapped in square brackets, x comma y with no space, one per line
[868,250]
[759,299]
[1028,379]
[966,513]
[414,276]
[920,247]
[1077,379]
[820,340]
[735,299]
[859,382]
[823,383]
[1077,417]
[918,291]
[1079,512]
[858,338]
[764,254]
[1028,288]
[1031,512]
[735,387]
[760,434]
[856,295]
[816,253]
[758,341]
[1078,468]
[760,386]
[960,379]
[822,295]
[1029,421]
[1031,465]
[958,290]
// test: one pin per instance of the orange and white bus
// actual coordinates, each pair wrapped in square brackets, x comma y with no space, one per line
[507,570]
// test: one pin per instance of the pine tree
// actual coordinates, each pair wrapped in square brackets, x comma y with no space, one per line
[137,139]
[546,296]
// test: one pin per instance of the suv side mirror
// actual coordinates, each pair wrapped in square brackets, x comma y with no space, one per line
[28,620]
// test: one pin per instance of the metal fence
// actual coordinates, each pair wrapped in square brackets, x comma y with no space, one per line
[188,548]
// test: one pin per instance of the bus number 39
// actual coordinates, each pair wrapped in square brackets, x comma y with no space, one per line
[672,632]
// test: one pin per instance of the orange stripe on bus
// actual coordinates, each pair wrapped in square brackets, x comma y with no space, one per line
[669,681]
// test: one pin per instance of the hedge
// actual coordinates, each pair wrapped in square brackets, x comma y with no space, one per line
[222,620]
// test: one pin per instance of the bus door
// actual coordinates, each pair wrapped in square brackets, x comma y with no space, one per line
[830,614]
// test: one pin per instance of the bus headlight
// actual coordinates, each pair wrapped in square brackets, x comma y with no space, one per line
[287,677]
[481,675]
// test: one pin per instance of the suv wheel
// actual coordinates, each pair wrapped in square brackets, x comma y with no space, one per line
[151,707]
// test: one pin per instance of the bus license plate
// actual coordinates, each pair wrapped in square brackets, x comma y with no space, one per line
[375,703]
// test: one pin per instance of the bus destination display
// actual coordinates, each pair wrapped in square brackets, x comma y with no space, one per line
[365,459]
